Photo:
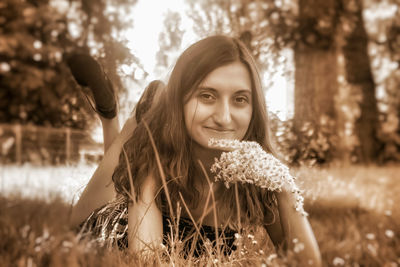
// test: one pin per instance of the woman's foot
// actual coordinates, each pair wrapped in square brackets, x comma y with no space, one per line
[88,72]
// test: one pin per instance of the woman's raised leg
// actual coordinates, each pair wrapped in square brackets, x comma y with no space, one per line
[111,129]
[88,72]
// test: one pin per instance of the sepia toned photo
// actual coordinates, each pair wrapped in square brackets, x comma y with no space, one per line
[199,133]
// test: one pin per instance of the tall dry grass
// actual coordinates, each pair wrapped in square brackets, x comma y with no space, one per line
[353,212]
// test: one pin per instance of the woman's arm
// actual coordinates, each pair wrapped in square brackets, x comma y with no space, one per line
[100,188]
[145,227]
[297,231]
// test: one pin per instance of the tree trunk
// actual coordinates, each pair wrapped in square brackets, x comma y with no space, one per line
[315,66]
[358,74]
[315,85]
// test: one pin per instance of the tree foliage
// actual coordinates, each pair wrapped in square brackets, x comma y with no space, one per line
[36,86]
[265,26]
[169,40]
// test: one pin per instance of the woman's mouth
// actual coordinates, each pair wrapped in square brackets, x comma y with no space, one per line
[219,130]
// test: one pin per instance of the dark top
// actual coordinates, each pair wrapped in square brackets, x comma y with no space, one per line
[108,225]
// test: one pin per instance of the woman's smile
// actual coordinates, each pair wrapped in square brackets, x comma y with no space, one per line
[219,130]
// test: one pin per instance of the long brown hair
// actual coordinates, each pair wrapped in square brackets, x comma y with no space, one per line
[167,125]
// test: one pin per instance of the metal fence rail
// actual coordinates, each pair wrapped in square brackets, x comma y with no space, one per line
[46,146]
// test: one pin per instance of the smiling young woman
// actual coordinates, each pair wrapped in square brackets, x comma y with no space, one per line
[214,92]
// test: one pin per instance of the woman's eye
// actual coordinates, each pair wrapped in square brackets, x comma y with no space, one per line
[242,99]
[207,97]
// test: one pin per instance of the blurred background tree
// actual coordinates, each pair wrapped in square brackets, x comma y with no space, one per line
[386,41]
[359,76]
[36,86]
[170,41]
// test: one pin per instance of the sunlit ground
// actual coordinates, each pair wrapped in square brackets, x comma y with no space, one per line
[45,182]
[372,188]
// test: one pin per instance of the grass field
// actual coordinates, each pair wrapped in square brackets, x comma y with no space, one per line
[354,213]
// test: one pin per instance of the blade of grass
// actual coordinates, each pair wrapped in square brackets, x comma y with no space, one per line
[218,244]
[195,226]
[163,179]
[238,213]
[238,206]
[131,194]
[206,210]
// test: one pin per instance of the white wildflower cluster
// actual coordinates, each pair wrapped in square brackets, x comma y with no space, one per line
[247,162]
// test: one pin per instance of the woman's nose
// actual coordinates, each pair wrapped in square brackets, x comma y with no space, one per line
[223,115]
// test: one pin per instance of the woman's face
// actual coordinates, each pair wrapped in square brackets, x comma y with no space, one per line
[221,106]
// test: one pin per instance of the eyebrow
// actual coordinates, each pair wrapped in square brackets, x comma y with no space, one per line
[215,90]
